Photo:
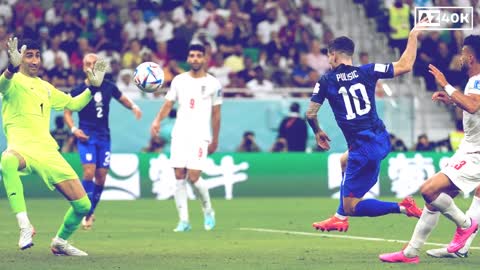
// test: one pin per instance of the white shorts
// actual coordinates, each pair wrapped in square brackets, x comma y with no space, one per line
[188,154]
[463,169]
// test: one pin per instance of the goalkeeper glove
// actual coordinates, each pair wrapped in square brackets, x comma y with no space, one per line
[95,76]
[14,56]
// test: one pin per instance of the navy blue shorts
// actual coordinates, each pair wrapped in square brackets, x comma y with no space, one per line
[96,150]
[364,158]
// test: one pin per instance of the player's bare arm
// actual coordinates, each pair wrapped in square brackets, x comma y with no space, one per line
[320,136]
[216,116]
[405,63]
[78,133]
[469,103]
[164,111]
[129,104]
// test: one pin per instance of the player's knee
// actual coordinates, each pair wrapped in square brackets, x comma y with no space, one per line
[82,207]
[9,163]
[428,192]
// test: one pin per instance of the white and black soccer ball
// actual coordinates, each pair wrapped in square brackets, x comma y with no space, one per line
[149,77]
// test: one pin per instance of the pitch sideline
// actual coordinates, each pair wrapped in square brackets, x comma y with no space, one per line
[329,235]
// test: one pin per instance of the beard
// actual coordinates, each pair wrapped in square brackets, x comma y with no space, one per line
[464,68]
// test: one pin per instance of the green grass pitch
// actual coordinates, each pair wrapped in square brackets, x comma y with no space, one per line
[138,235]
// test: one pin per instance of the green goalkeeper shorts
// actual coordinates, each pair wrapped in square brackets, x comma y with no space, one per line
[49,164]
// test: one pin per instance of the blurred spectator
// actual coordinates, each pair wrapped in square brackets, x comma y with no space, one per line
[276,46]
[155,145]
[132,58]
[54,51]
[292,31]
[162,27]
[114,70]
[235,82]
[266,27]
[248,143]
[113,30]
[280,145]
[136,27]
[455,137]
[70,44]
[108,54]
[399,21]
[59,73]
[248,72]
[76,58]
[258,14]
[60,133]
[427,53]
[30,26]
[236,61]
[276,69]
[363,58]
[3,48]
[69,23]
[397,144]
[160,55]
[186,30]
[99,41]
[179,14]
[149,40]
[315,25]
[6,13]
[54,14]
[219,70]
[125,82]
[294,129]
[171,70]
[259,86]
[227,40]
[316,59]
[302,74]
[423,144]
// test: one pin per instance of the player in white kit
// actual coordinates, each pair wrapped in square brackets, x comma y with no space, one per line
[462,172]
[195,133]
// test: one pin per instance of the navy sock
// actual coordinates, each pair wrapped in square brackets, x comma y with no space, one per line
[88,185]
[375,208]
[97,193]
[340,210]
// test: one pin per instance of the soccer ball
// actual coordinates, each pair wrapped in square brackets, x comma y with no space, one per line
[148,77]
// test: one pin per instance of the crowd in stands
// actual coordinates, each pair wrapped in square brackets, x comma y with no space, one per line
[257,45]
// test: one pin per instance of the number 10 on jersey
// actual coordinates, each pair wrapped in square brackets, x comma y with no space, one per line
[353,91]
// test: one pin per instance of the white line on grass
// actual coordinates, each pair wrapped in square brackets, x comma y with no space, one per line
[330,235]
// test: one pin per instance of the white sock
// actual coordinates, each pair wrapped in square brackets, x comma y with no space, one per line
[23,221]
[474,213]
[341,217]
[447,207]
[427,222]
[202,191]
[181,200]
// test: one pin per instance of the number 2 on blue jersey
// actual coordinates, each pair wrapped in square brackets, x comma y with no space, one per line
[352,91]
[99,112]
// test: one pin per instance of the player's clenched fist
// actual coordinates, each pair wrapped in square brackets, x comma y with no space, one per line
[14,56]
[442,96]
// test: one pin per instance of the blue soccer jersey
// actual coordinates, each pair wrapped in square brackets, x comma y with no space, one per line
[94,116]
[350,91]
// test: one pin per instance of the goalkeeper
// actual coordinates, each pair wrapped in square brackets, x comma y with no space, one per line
[26,105]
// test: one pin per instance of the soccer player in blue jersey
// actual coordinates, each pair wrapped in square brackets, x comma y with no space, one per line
[350,91]
[93,135]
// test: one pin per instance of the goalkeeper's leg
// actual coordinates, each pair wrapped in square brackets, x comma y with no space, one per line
[12,162]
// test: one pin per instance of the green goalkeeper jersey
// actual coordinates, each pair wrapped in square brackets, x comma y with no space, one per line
[26,106]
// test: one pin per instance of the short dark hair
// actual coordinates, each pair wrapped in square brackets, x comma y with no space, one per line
[30,43]
[196,47]
[343,45]
[473,42]
[295,107]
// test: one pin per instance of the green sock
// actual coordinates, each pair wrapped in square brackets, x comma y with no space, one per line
[13,184]
[73,217]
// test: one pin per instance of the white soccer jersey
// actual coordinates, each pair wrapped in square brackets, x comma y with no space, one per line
[471,122]
[195,97]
